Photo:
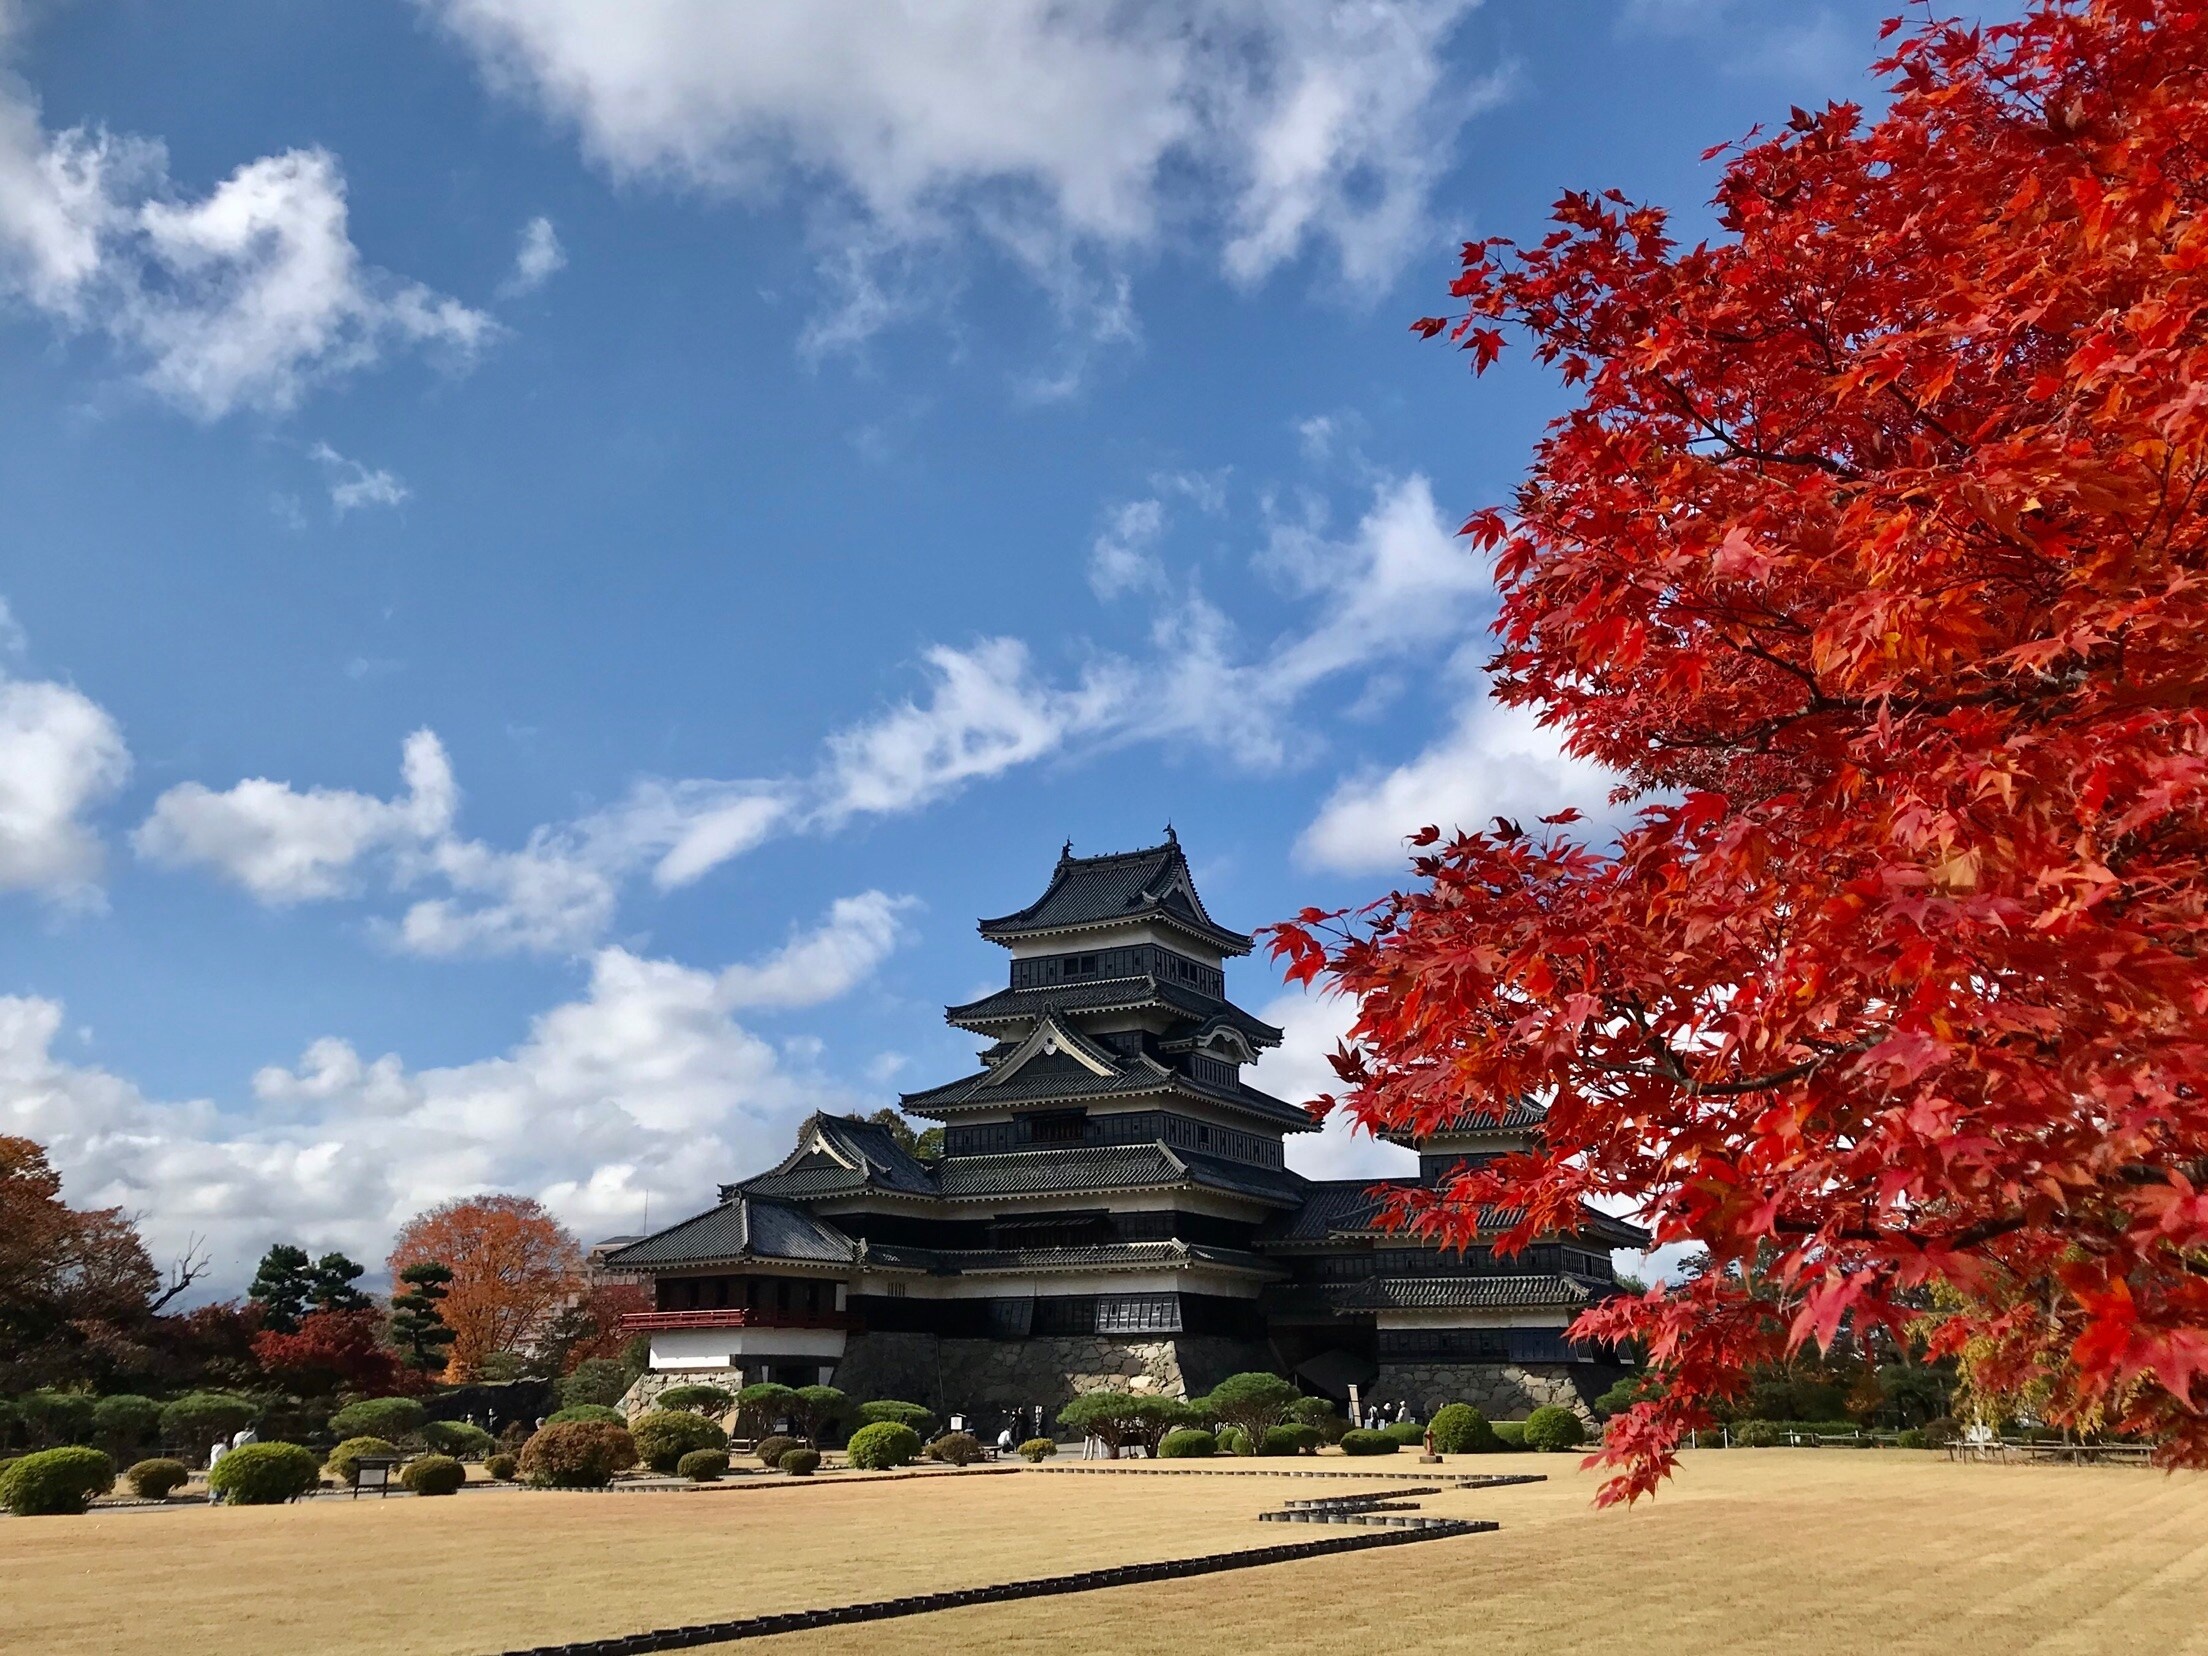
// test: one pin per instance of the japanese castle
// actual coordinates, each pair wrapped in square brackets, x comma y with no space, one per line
[1110,1209]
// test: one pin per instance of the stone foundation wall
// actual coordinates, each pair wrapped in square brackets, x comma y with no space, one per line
[978,1376]
[1500,1391]
[640,1397]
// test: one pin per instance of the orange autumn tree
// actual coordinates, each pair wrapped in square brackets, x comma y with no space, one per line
[514,1268]
[1874,557]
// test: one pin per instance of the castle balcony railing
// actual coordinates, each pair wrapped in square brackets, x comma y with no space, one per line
[659,1322]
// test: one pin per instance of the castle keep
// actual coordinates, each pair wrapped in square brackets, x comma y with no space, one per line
[1111,1209]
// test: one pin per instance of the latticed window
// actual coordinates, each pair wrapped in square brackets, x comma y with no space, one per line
[1139,1314]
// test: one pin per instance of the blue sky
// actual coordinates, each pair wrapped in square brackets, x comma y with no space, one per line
[558,552]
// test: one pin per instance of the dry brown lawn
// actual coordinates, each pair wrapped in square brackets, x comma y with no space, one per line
[1763,1550]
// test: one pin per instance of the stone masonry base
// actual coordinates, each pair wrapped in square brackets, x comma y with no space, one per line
[977,1377]
[1500,1391]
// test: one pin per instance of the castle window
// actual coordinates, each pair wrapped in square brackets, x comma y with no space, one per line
[1138,1314]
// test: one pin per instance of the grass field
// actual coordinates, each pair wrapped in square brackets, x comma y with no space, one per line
[1763,1550]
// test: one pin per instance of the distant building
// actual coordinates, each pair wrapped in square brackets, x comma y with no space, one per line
[1111,1209]
[598,1273]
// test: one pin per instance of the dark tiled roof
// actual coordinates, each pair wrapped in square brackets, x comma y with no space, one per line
[1468,1293]
[1350,1207]
[869,1143]
[1104,995]
[1334,1205]
[1054,1077]
[1042,1079]
[1126,885]
[1103,1167]
[1517,1116]
[838,1154]
[745,1228]
[1105,1256]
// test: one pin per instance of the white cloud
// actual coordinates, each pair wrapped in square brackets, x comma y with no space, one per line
[1397,583]
[987,713]
[354,485]
[1063,132]
[60,754]
[1311,1026]
[857,936]
[1401,581]
[1494,761]
[643,1083]
[539,258]
[288,846]
[1124,556]
[244,298]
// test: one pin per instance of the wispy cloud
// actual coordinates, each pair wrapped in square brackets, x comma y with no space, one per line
[1394,583]
[539,258]
[354,485]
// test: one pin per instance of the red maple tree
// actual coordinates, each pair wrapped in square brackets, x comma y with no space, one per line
[335,1351]
[1873,557]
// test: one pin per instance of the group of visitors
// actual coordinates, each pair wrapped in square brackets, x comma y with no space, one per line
[222,1447]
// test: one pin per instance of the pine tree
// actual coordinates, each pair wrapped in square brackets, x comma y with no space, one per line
[282,1287]
[417,1327]
[331,1284]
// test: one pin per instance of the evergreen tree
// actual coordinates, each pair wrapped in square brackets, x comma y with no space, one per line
[417,1326]
[282,1287]
[330,1285]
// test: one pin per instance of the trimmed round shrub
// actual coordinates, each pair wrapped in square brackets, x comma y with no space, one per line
[881,1445]
[1511,1434]
[1460,1429]
[1319,1412]
[345,1459]
[580,1454]
[57,1417]
[1038,1449]
[705,1400]
[264,1474]
[800,1462]
[125,1422]
[1553,1427]
[771,1449]
[1912,1437]
[1188,1443]
[196,1419]
[955,1449]
[1749,1434]
[1233,1441]
[382,1417]
[503,1467]
[587,1414]
[922,1421]
[664,1436]
[432,1475]
[1411,1434]
[1255,1401]
[514,1436]
[1362,1442]
[763,1408]
[704,1465]
[54,1481]
[157,1480]
[458,1439]
[1292,1439]
[1940,1431]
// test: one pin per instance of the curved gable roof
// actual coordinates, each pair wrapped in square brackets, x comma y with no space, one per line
[1151,884]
